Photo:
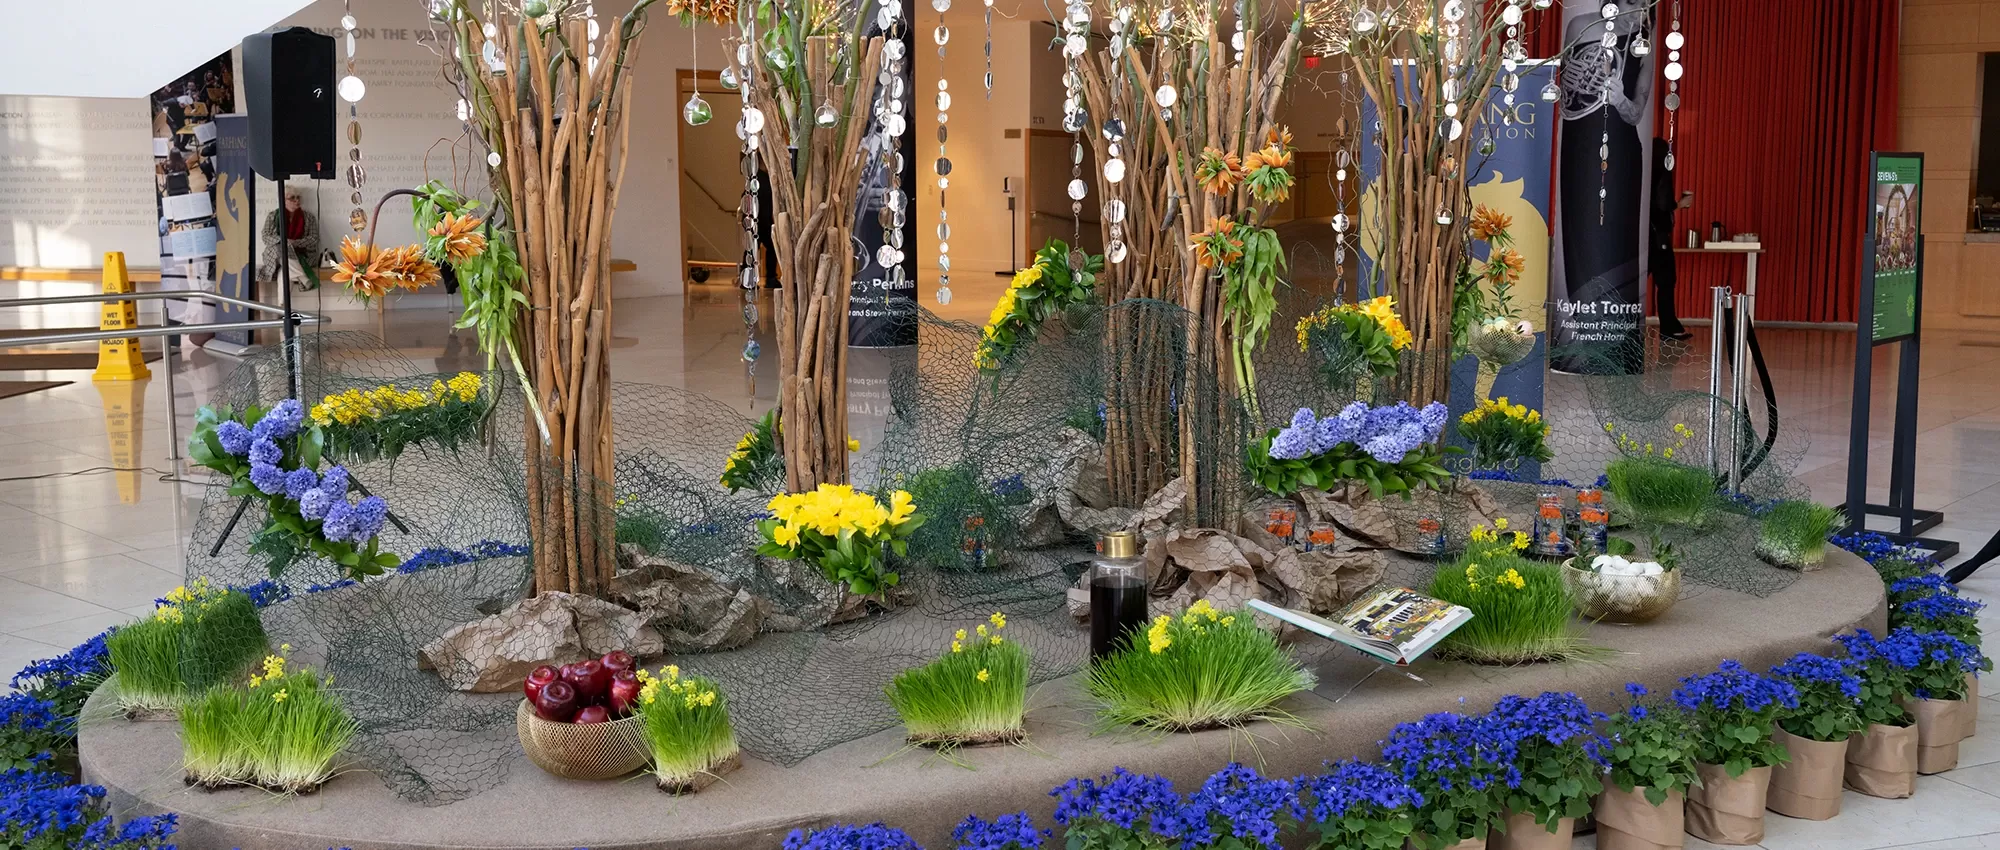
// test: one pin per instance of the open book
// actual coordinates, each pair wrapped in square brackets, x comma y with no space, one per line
[1396,625]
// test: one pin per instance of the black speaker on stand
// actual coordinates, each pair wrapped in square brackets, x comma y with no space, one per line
[288,83]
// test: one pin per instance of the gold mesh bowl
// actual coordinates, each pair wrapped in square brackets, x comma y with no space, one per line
[581,750]
[1621,599]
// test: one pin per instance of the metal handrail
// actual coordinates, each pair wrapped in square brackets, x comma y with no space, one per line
[163,330]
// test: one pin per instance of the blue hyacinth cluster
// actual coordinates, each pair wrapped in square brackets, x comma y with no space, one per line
[1386,433]
[1809,670]
[874,836]
[1360,788]
[1124,800]
[1238,803]
[1006,832]
[439,556]
[1732,687]
[1513,475]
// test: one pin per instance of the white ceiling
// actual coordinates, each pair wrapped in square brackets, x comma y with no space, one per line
[122,48]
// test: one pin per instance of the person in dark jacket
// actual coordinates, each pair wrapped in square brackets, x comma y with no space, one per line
[1660,244]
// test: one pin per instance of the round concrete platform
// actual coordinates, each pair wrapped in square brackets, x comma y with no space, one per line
[753,808]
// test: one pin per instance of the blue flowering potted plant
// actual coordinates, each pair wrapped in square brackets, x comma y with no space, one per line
[1651,760]
[1355,805]
[1122,811]
[273,456]
[1882,759]
[1237,809]
[1556,771]
[1938,695]
[1929,603]
[842,836]
[1458,766]
[1815,735]
[1735,716]
[1007,832]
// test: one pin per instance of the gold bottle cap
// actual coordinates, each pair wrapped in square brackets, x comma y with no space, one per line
[1121,544]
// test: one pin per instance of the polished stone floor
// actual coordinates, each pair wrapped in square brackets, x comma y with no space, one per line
[83,548]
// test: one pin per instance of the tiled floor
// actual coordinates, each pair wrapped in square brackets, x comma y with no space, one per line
[79,553]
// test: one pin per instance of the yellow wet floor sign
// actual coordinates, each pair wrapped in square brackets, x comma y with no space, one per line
[119,359]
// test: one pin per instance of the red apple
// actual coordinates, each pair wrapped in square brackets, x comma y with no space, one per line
[536,680]
[593,714]
[591,680]
[556,702]
[617,660]
[624,692]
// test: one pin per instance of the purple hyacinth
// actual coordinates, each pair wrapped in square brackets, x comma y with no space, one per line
[283,420]
[300,482]
[1391,446]
[368,516]
[334,482]
[268,479]
[1343,427]
[1292,444]
[314,504]
[1433,417]
[265,452]
[339,523]
[235,438]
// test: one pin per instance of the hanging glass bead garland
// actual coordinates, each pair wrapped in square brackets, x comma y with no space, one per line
[943,164]
[1115,249]
[697,111]
[1165,97]
[1076,39]
[989,49]
[1608,47]
[890,113]
[1675,42]
[351,90]
[749,276]
[1343,160]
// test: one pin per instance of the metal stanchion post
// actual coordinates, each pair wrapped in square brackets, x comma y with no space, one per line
[1739,393]
[1719,296]
[173,411]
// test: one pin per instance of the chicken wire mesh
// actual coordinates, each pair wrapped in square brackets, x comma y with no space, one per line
[1009,464]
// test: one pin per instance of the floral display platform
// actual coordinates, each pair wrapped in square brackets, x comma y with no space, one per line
[876,778]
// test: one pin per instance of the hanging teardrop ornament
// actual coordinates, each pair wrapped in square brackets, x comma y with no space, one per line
[697,111]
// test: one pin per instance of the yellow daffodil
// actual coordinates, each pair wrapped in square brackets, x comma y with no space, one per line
[998,620]
[983,675]
[280,696]
[785,535]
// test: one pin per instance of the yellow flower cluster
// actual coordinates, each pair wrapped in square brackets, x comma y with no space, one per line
[354,405]
[274,668]
[1511,578]
[1004,310]
[1500,407]
[1157,638]
[834,508]
[693,693]
[180,599]
[1482,534]
[1682,434]
[992,638]
[1382,310]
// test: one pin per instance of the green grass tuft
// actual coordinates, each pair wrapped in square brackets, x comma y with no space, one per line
[1520,609]
[283,733]
[199,638]
[1794,532]
[1663,491]
[685,720]
[977,693]
[1202,670]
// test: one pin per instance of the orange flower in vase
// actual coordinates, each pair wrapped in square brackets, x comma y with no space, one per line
[462,239]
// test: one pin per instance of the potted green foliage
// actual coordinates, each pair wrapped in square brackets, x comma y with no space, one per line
[1793,533]
[1735,716]
[1654,487]
[1938,695]
[1815,735]
[1355,805]
[1652,764]
[1882,759]
[975,694]
[844,532]
[685,721]
[1201,670]
[283,733]
[199,635]
[1559,757]
[1520,608]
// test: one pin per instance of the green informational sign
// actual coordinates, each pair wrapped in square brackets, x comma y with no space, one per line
[1898,184]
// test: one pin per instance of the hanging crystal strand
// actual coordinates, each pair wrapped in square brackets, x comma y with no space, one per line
[943,165]
[1608,48]
[749,266]
[890,114]
[1343,163]
[1675,43]
[989,49]
[1076,39]
[1115,249]
[351,90]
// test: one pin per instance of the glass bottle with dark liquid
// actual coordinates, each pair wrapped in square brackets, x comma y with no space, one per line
[1117,594]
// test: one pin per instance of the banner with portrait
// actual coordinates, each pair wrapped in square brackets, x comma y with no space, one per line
[1895,275]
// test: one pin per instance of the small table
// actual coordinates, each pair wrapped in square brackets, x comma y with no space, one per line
[1749,250]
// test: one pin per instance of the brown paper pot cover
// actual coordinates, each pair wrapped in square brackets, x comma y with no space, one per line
[1939,729]
[1971,714]
[581,751]
[1523,833]
[1809,786]
[1467,844]
[1882,761]
[1728,811]
[1626,821]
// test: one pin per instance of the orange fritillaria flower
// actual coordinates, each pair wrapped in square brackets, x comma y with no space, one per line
[1218,172]
[357,269]
[462,239]
[1488,222]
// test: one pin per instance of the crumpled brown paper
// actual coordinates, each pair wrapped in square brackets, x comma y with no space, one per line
[496,653]
[1939,729]
[1076,491]
[1725,810]
[1809,785]
[1882,761]
[1372,522]
[1626,820]
[1523,833]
